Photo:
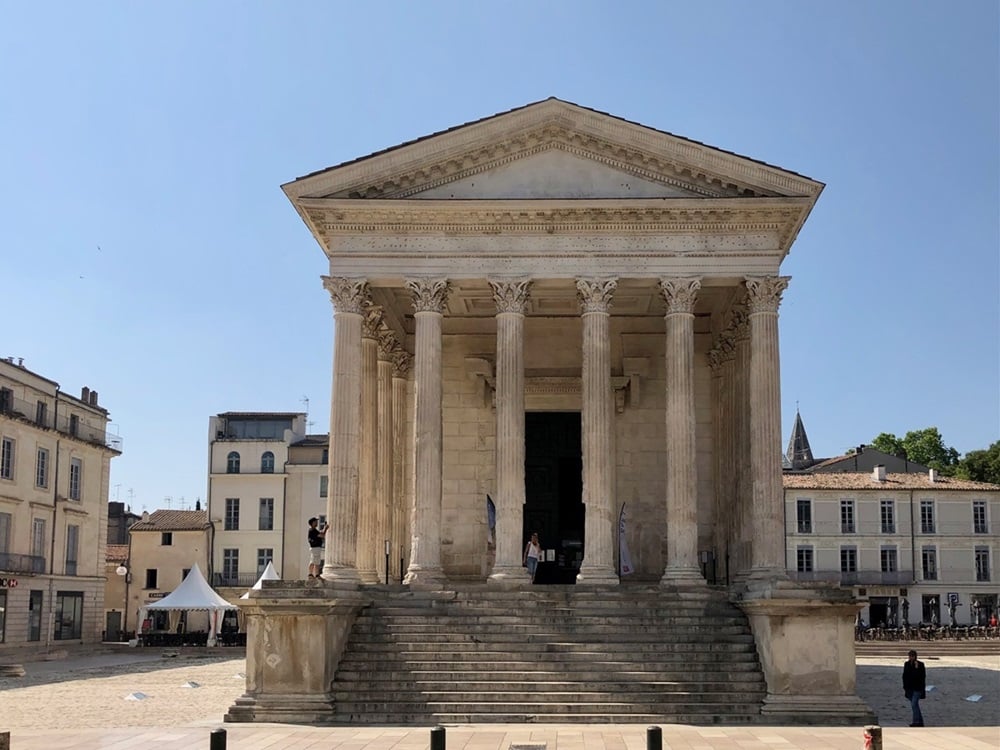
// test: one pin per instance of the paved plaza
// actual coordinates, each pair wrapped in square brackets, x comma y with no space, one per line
[88,703]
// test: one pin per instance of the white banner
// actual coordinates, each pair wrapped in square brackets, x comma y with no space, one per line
[624,558]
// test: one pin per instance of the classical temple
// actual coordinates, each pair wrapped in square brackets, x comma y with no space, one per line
[569,314]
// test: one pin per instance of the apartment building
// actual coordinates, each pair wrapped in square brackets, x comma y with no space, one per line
[308,460]
[247,494]
[55,463]
[910,544]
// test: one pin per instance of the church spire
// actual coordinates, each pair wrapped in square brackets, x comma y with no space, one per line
[799,454]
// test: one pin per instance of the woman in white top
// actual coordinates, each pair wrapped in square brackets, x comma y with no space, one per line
[531,554]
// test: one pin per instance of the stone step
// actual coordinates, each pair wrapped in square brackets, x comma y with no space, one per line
[529,635]
[506,659]
[468,644]
[733,673]
[602,624]
[550,709]
[395,718]
[544,690]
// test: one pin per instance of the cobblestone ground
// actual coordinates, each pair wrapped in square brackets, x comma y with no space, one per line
[92,692]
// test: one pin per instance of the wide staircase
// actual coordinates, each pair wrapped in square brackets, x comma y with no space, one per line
[549,654]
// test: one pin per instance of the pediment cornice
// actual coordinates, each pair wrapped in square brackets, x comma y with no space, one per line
[468,150]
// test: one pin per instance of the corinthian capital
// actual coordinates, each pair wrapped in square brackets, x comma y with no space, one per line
[764,292]
[511,295]
[347,295]
[401,361]
[595,294]
[429,295]
[372,322]
[680,293]
[386,343]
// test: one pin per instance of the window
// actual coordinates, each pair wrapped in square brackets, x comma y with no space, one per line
[929,560]
[74,424]
[267,463]
[982,563]
[233,463]
[41,412]
[69,615]
[75,478]
[3,619]
[846,516]
[264,556]
[232,522]
[979,525]
[324,487]
[265,519]
[151,576]
[35,615]
[72,548]
[166,539]
[6,519]
[888,510]
[38,537]
[889,564]
[803,512]
[42,468]
[804,559]
[326,456]
[926,516]
[6,400]
[848,560]
[230,566]
[7,458]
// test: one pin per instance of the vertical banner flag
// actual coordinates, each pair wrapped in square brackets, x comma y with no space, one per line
[491,519]
[624,558]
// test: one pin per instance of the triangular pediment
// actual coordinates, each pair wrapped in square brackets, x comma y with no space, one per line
[552,150]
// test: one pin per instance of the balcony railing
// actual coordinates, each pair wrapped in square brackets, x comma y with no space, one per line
[856,578]
[28,411]
[13,563]
[235,580]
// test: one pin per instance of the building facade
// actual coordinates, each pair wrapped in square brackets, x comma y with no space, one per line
[908,544]
[55,462]
[306,494]
[247,493]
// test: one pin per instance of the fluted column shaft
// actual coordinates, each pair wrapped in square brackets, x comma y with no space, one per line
[348,297]
[383,481]
[597,438]
[742,474]
[764,296]
[682,488]
[401,508]
[369,545]
[429,297]
[727,437]
[511,298]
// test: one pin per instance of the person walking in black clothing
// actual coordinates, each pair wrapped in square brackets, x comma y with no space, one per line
[316,538]
[915,686]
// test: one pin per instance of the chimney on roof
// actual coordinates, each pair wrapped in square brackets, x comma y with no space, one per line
[20,361]
[932,475]
[145,516]
[878,473]
[93,398]
[85,395]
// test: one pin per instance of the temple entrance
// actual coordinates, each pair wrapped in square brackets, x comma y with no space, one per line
[553,477]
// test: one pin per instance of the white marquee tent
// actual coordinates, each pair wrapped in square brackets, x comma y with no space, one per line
[194,594]
[269,574]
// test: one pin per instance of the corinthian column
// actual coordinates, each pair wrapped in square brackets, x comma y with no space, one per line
[401,363]
[348,297]
[383,480]
[368,544]
[682,485]
[768,550]
[598,447]
[742,479]
[429,297]
[511,297]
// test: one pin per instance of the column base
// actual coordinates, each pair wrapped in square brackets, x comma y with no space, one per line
[596,577]
[762,576]
[508,576]
[424,578]
[340,574]
[843,710]
[690,577]
[369,576]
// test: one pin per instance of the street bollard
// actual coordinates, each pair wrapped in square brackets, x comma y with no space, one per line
[4,740]
[873,737]
[437,738]
[217,740]
[654,738]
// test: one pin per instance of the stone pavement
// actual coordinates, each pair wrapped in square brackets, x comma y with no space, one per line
[500,737]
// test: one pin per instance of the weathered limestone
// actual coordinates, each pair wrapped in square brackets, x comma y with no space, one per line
[682,491]
[386,470]
[402,361]
[348,297]
[764,296]
[510,297]
[598,466]
[429,299]
[369,540]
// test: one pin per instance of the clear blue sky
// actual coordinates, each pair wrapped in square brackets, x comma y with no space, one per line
[147,251]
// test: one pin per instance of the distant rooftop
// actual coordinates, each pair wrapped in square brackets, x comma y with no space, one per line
[867,481]
[173,520]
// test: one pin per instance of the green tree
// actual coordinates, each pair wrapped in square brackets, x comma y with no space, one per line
[981,466]
[924,446]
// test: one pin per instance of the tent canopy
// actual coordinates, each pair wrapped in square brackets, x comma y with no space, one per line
[269,574]
[194,593]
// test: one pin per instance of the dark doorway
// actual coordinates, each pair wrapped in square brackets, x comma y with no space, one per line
[553,475]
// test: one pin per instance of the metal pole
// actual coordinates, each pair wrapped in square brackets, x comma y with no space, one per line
[217,740]
[654,738]
[387,546]
[400,568]
[437,738]
[873,737]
